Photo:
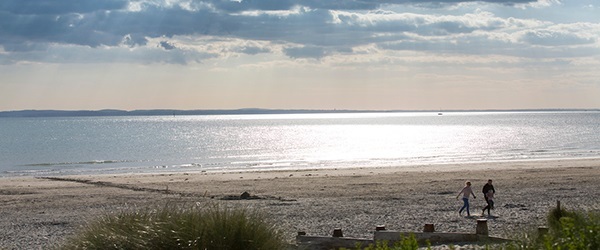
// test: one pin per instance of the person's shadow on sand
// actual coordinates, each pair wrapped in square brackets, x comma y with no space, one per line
[489,217]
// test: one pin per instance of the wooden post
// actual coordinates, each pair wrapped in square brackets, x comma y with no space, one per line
[482,227]
[428,228]
[337,232]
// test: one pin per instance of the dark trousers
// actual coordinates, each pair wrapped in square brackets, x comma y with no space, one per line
[490,205]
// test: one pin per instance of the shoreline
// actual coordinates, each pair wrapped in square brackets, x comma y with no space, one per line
[428,166]
[354,170]
[42,212]
[425,167]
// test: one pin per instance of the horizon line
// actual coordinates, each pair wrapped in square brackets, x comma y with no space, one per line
[163,112]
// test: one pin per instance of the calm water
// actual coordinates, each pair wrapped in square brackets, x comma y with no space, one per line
[90,145]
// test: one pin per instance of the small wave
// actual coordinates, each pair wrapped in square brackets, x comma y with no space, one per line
[74,163]
[191,165]
[540,151]
[30,172]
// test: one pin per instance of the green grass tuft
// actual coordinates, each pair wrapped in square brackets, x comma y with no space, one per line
[174,227]
[572,230]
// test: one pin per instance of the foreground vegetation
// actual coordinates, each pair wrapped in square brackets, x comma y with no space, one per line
[214,227]
[573,230]
[567,230]
[173,227]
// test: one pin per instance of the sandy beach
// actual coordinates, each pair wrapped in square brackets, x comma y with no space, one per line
[41,212]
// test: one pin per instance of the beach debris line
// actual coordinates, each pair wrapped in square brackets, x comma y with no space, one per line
[521,206]
[244,196]
[247,196]
[121,186]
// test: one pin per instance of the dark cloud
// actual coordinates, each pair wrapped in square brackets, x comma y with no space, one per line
[66,29]
[54,7]
[86,22]
[57,7]
[112,28]
[245,5]
[166,45]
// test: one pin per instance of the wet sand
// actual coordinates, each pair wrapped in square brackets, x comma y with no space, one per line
[38,213]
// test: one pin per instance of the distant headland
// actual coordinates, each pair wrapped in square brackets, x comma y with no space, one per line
[244,111]
[162,112]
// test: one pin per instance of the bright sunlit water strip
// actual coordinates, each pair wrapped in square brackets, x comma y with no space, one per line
[90,145]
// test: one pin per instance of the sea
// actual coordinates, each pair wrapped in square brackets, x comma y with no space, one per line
[50,146]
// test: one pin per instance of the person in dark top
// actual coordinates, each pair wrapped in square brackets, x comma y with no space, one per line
[487,188]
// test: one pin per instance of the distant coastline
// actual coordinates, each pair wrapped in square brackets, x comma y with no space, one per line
[245,111]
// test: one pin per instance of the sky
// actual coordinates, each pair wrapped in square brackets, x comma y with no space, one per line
[304,54]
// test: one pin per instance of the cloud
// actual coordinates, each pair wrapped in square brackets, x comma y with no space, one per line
[272,5]
[254,50]
[54,7]
[83,54]
[305,52]
[166,45]
[31,29]
[110,28]
[548,37]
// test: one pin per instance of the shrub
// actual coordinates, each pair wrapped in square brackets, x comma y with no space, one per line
[573,230]
[175,227]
